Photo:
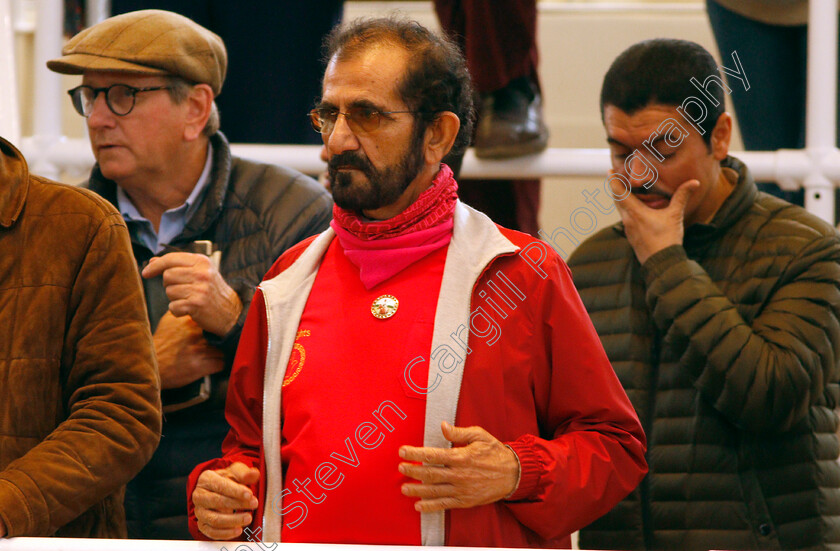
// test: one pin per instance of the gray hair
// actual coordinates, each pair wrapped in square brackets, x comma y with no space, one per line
[179,89]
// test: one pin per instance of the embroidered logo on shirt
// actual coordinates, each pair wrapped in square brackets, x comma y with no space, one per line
[297,359]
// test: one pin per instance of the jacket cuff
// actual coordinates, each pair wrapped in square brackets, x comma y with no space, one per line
[228,343]
[518,474]
[530,470]
[659,262]
[192,482]
[14,510]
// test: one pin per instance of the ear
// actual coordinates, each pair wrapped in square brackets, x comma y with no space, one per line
[199,104]
[440,135]
[721,136]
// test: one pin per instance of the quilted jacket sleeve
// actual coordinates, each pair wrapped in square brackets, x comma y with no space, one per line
[110,393]
[765,373]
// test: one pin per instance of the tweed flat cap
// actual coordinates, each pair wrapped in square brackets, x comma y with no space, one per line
[153,42]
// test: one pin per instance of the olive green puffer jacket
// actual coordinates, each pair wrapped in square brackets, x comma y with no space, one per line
[728,348]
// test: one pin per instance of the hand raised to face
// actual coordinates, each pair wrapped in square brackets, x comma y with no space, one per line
[649,230]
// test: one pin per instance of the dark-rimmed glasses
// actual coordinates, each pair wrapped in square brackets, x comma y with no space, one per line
[361,120]
[120,98]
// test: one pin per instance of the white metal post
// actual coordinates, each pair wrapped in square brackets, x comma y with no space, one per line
[48,94]
[821,104]
[96,11]
[9,109]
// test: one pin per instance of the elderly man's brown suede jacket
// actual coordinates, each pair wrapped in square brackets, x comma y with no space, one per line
[79,389]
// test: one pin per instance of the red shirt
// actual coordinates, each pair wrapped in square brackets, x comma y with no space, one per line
[347,408]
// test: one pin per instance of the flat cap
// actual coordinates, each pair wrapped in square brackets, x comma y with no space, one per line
[152,42]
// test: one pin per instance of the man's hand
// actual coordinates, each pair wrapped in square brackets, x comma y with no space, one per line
[483,471]
[651,230]
[195,288]
[220,497]
[183,354]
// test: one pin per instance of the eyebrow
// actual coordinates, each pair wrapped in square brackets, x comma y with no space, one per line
[367,103]
[654,143]
[356,103]
[657,141]
[613,141]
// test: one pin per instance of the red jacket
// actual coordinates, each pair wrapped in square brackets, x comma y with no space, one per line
[536,377]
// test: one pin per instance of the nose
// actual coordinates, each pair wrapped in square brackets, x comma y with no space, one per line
[639,170]
[341,138]
[100,113]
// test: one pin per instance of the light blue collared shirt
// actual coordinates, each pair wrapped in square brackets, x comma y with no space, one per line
[173,221]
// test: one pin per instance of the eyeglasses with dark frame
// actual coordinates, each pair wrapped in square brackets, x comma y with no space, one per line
[361,120]
[120,98]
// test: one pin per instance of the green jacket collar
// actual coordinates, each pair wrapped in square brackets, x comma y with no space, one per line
[733,208]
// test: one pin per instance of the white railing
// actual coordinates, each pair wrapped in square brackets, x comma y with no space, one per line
[68,544]
[816,168]
[788,167]
[80,544]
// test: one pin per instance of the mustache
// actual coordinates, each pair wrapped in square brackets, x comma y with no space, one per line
[349,158]
[642,191]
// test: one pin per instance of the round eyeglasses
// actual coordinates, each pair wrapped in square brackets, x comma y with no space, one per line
[120,98]
[361,120]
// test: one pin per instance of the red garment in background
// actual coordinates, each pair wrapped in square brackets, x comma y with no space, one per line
[499,40]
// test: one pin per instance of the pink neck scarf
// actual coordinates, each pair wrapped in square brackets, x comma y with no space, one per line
[383,248]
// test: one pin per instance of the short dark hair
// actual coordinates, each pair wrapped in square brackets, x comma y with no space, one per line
[436,78]
[659,71]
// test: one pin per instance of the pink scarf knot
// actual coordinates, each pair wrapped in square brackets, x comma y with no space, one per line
[383,248]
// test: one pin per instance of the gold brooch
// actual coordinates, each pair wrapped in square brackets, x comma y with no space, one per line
[384,307]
